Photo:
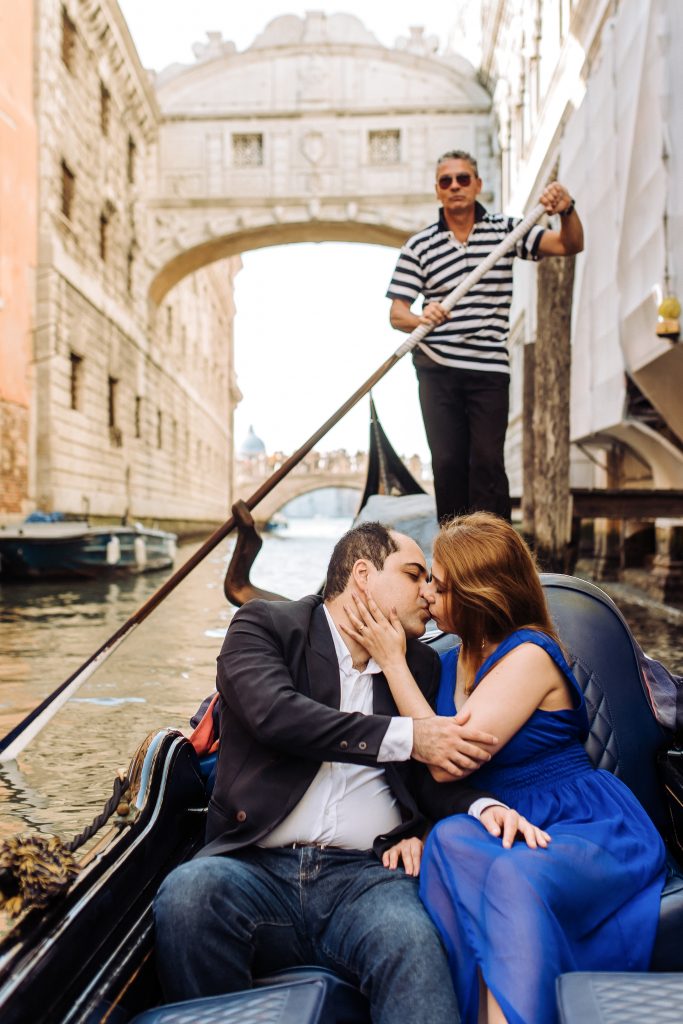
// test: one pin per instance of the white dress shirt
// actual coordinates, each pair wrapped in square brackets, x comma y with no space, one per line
[349,805]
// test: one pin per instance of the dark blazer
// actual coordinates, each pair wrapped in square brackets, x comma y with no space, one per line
[278,680]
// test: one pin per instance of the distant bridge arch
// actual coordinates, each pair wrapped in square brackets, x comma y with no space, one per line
[294,486]
[199,250]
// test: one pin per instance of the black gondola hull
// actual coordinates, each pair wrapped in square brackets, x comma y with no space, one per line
[68,963]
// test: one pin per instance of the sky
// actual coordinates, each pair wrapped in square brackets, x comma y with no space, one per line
[326,327]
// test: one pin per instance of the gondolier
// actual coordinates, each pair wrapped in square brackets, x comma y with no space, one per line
[463,366]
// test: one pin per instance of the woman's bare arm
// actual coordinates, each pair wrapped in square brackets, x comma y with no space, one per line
[522,681]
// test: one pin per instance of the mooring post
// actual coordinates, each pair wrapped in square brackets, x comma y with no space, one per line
[665,581]
[608,555]
[552,510]
[528,384]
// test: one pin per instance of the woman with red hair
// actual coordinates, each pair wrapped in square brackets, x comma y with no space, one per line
[512,918]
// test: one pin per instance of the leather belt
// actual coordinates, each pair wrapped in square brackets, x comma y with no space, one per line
[303,846]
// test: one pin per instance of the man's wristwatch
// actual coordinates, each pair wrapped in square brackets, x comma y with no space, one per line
[570,209]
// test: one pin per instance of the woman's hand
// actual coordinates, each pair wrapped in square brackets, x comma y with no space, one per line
[409,851]
[505,821]
[383,638]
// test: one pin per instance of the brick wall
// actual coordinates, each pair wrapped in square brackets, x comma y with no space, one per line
[13,458]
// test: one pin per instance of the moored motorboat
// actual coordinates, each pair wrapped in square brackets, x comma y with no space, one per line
[277,523]
[36,549]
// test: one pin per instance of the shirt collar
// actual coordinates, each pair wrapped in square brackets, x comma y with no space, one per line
[480,213]
[344,655]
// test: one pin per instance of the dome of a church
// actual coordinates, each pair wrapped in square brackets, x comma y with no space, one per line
[252,445]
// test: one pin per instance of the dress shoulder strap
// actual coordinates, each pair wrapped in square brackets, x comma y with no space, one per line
[534,636]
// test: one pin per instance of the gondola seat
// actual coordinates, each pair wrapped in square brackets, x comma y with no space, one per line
[625,738]
[604,998]
[304,995]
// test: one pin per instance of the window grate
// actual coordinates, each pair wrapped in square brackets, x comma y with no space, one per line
[247,150]
[384,147]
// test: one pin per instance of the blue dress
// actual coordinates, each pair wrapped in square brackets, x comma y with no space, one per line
[590,901]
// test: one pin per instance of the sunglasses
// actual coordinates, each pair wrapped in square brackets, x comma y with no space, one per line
[446,180]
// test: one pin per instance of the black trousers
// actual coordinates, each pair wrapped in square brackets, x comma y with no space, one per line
[465,414]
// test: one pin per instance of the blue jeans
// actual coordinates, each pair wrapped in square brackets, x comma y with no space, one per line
[220,920]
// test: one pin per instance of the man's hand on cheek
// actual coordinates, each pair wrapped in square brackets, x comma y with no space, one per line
[451,745]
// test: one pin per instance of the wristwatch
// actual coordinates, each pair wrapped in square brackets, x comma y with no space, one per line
[570,209]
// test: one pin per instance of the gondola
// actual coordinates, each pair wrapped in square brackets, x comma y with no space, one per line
[85,954]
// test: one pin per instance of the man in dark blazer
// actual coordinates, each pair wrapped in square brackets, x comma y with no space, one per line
[319,785]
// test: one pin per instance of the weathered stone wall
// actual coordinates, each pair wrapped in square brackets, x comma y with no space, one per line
[167,455]
[14,433]
[18,212]
[134,411]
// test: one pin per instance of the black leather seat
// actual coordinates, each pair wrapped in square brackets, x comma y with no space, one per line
[302,995]
[624,734]
[605,998]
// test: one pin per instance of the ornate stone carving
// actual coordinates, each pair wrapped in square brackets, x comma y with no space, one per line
[214,48]
[313,147]
[314,79]
[417,42]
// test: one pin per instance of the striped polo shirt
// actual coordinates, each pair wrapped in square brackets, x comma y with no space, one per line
[433,262]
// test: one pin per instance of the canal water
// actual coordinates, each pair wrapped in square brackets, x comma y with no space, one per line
[163,670]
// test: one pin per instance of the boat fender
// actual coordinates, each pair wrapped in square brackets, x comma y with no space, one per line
[140,552]
[113,551]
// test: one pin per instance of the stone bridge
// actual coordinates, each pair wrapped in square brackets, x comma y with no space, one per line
[316,132]
[316,472]
[292,487]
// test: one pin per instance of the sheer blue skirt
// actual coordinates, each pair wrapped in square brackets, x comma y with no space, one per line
[521,917]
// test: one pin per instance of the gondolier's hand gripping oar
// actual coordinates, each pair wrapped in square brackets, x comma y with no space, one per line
[416,336]
[21,735]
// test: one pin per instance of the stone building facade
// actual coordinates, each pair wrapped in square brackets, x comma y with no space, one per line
[18,217]
[585,90]
[133,401]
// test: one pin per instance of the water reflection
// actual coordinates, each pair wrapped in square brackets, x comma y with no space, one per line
[658,628]
[159,676]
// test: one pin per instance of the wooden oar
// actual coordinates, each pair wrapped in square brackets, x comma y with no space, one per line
[21,735]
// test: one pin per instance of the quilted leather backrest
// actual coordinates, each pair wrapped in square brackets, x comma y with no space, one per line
[620,998]
[624,735]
